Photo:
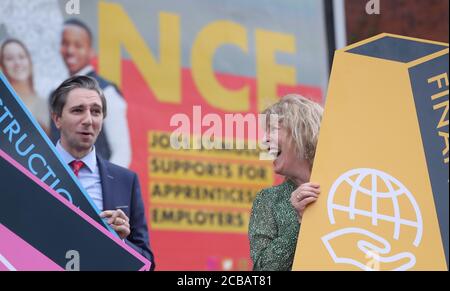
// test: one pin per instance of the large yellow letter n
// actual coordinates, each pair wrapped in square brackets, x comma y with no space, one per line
[116,30]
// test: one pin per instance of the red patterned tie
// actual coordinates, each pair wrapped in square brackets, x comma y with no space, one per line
[76,166]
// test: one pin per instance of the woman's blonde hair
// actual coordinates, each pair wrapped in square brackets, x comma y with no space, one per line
[302,118]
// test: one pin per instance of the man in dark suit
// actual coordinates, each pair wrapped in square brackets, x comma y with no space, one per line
[113,142]
[78,109]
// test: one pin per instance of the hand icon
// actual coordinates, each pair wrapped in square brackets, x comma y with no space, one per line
[367,250]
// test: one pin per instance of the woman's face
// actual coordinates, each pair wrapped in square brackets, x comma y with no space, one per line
[15,62]
[281,146]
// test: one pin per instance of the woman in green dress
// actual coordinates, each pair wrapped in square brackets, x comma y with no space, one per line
[277,211]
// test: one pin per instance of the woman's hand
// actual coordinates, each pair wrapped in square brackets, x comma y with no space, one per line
[304,195]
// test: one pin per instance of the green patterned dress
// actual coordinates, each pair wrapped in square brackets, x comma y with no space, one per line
[273,229]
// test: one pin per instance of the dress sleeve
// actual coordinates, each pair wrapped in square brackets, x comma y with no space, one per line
[270,251]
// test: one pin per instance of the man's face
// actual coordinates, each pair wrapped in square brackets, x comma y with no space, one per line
[80,122]
[76,48]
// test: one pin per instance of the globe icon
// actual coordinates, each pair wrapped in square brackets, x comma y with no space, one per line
[378,181]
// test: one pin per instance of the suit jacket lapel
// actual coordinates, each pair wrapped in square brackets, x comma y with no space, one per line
[107,181]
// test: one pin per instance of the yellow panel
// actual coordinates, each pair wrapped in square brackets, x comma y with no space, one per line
[370,162]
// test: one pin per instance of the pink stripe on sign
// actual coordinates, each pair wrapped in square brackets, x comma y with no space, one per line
[86,217]
[17,254]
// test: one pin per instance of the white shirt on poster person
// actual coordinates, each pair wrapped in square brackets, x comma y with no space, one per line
[89,175]
[115,124]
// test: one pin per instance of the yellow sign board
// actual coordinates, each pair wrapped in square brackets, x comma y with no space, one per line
[382,161]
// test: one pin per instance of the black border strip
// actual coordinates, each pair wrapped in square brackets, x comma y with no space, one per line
[329,24]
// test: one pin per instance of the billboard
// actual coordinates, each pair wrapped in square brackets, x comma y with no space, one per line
[184,64]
